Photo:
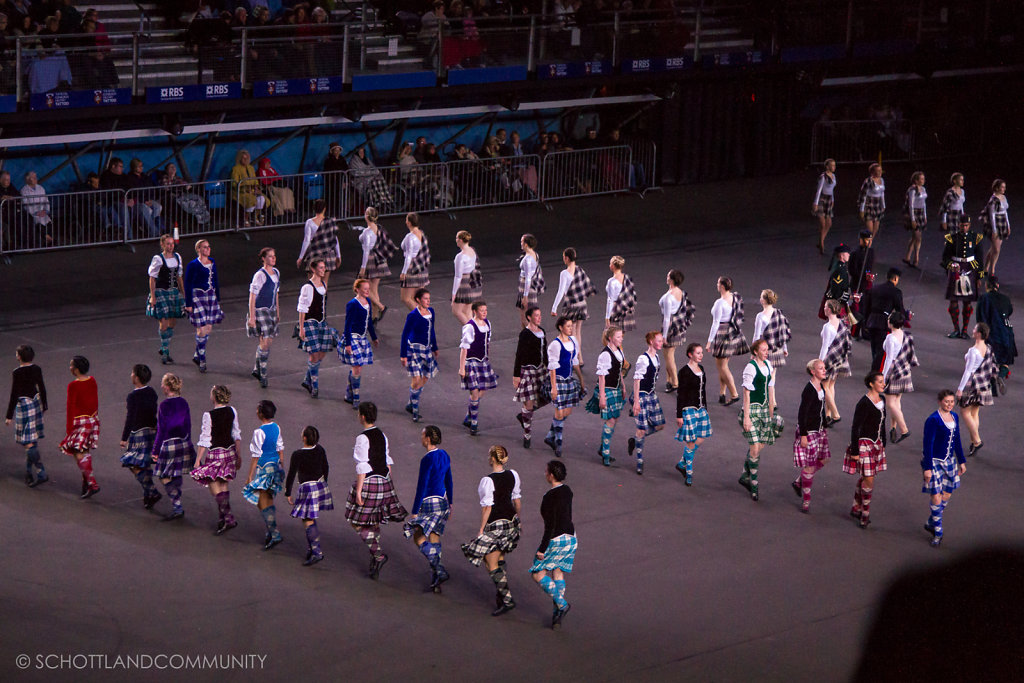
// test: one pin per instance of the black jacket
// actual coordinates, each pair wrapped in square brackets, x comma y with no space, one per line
[881,301]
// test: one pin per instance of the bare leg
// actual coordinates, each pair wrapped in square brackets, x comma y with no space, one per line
[671,373]
[725,379]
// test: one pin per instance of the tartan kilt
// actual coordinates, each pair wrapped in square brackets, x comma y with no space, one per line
[871,461]
[479,375]
[320,337]
[560,554]
[919,218]
[420,361]
[376,270]
[576,312]
[169,304]
[627,322]
[945,478]
[977,396]
[1002,227]
[531,386]
[648,415]
[266,324]
[432,517]
[501,535]
[525,299]
[614,403]
[84,435]
[696,425]
[205,308]
[728,342]
[826,206]
[28,420]
[380,503]
[899,385]
[953,220]
[220,464]
[874,208]
[269,477]
[361,354]
[416,280]
[570,393]
[140,449]
[674,340]
[170,461]
[816,453]
[467,292]
[777,358]
[765,428]
[313,496]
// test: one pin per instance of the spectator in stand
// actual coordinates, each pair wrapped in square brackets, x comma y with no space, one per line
[100,70]
[69,18]
[49,72]
[8,82]
[28,31]
[240,18]
[37,206]
[142,200]
[368,180]
[525,172]
[282,199]
[590,140]
[501,135]
[12,13]
[113,179]
[182,203]
[246,190]
[637,175]
[432,19]
[406,161]
[47,34]
[335,180]
[421,150]
[96,221]
[431,156]
[102,39]
[8,210]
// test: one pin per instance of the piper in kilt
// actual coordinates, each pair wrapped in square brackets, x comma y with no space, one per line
[500,502]
[810,445]
[468,283]
[757,418]
[915,217]
[166,293]
[320,242]
[531,277]
[960,259]
[865,456]
[316,336]
[264,315]
[557,550]
[419,349]
[824,202]
[432,504]
[574,286]
[202,299]
[997,223]
[372,501]
[835,353]
[25,409]
[871,199]
[620,309]
[975,388]
[354,346]
[83,424]
[566,389]
[529,371]
[416,266]
[900,357]
[726,337]
[691,409]
[220,446]
[676,315]
[772,325]
[377,250]
[172,446]
[607,400]
[475,371]
[943,461]
[951,212]
[139,433]
[644,397]
[266,470]
[309,467]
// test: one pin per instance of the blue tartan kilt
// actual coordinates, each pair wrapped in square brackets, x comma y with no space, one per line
[649,417]
[945,478]
[570,393]
[28,420]
[696,425]
[313,496]
[432,517]
[266,324]
[269,477]
[169,303]
[140,449]
[320,337]
[170,461]
[479,375]
[560,554]
[361,354]
[420,361]
[205,308]
[614,403]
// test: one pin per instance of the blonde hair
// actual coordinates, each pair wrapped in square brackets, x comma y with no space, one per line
[769,296]
[618,262]
[238,156]
[498,454]
[371,214]
[612,329]
[200,243]
[171,381]
[221,394]
[464,236]
[811,363]
[358,283]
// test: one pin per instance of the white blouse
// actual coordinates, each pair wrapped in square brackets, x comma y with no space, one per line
[604,361]
[206,432]
[486,490]
[720,313]
[669,305]
[367,238]
[527,267]
[464,265]
[411,245]
[892,345]
[564,280]
[612,288]
[972,361]
[306,296]
[172,263]
[828,335]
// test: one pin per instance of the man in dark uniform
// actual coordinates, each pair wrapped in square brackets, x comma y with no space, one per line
[862,275]
[839,285]
[960,259]
[878,304]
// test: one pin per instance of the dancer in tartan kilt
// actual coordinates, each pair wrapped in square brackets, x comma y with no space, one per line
[620,310]
[835,352]
[172,445]
[377,251]
[531,277]
[354,347]
[220,452]
[997,223]
[574,286]
[529,371]
[975,388]
[372,501]
[915,217]
[676,316]
[952,209]
[607,400]
[943,462]
[83,423]
[419,349]
[320,242]
[202,299]
[25,409]
[500,502]
[692,409]
[865,456]
[644,397]
[566,389]
[266,470]
[416,266]
[900,357]
[960,259]
[309,467]
[810,445]
[475,371]
[761,424]
[824,202]
[772,325]
[557,550]
[726,337]
[139,433]
[871,199]
[316,336]
[432,505]
[166,293]
[468,283]
[264,310]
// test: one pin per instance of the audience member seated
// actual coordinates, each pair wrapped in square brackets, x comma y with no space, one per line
[335,180]
[282,199]
[49,72]
[368,180]
[37,206]
[406,163]
[8,81]
[246,190]
[525,171]
[10,222]
[142,199]
[68,18]
[113,180]
[184,205]
[419,154]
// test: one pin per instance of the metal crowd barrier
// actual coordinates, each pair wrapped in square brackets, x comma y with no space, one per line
[62,221]
[854,142]
[586,172]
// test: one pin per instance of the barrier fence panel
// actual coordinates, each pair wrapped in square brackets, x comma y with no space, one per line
[61,221]
[854,142]
[287,200]
[586,172]
[493,182]
[643,171]
[195,208]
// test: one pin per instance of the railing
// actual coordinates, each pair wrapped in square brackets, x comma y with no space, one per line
[579,173]
[852,142]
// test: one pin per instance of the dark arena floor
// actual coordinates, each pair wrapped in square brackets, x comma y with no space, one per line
[670,583]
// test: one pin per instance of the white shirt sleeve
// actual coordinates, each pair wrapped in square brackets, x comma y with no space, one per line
[256,445]
[154,266]
[669,305]
[305,298]
[410,247]
[828,335]
[206,432]
[720,312]
[974,360]
[527,267]
[641,367]
[486,492]
[892,349]
[604,363]
[307,235]
[468,335]
[361,454]
[236,431]
[554,351]
[821,185]
[517,492]
[578,358]
[280,440]
[748,376]
[612,288]
[257,281]
[992,204]
[564,280]
[760,322]
[463,266]
[368,239]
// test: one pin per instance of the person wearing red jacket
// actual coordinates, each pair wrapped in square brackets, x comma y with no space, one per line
[83,423]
